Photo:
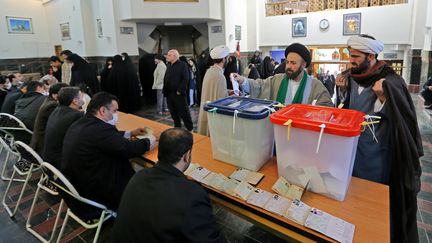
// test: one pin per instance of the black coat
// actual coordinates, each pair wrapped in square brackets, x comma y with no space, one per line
[3,93]
[161,205]
[37,141]
[176,78]
[95,158]
[9,102]
[27,107]
[56,127]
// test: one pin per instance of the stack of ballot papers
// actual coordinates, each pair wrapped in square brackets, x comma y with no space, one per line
[286,203]
[286,189]
[251,177]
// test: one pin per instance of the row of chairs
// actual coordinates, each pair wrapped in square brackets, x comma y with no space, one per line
[51,180]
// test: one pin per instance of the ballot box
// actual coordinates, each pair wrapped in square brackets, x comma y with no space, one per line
[240,131]
[316,146]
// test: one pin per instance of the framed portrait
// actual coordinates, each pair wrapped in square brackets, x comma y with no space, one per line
[299,27]
[352,24]
[65,31]
[99,28]
[17,25]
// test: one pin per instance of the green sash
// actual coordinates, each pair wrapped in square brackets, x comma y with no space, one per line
[283,88]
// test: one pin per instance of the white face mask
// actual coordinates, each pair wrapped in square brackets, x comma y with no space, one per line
[114,120]
[46,93]
[8,85]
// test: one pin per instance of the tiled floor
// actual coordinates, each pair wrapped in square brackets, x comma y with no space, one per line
[236,229]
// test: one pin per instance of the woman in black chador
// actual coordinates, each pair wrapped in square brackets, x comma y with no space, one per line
[82,72]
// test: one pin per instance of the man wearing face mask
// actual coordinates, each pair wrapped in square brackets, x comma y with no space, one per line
[95,155]
[68,111]
[295,86]
[161,205]
[214,85]
[390,152]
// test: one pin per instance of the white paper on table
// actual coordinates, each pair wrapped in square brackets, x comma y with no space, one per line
[281,186]
[206,180]
[330,226]
[199,173]
[259,197]
[277,204]
[235,85]
[254,177]
[218,181]
[239,174]
[298,211]
[229,186]
[316,183]
[243,190]
[191,168]
[294,192]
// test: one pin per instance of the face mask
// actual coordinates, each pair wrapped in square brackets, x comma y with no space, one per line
[46,93]
[114,120]
[20,83]
[8,85]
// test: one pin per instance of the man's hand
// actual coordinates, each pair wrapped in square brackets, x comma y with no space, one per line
[341,82]
[430,88]
[379,91]
[237,77]
[178,93]
[138,131]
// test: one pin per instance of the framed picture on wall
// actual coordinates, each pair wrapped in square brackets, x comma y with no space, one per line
[17,25]
[299,27]
[99,27]
[352,24]
[65,31]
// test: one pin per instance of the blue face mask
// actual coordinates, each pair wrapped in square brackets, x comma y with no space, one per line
[114,120]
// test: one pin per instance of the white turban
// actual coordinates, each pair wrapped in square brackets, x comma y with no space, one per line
[366,45]
[219,52]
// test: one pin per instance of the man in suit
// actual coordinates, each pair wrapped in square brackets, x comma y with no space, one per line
[175,89]
[27,107]
[161,205]
[50,103]
[69,110]
[95,155]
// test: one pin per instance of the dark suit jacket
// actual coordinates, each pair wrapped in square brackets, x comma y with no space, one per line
[95,158]
[161,205]
[9,102]
[27,107]
[37,141]
[56,127]
[176,78]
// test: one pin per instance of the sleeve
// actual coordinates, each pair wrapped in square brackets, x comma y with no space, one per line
[322,96]
[261,88]
[182,87]
[117,145]
[427,83]
[200,225]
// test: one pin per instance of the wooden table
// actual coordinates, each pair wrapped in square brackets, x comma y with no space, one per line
[129,122]
[366,204]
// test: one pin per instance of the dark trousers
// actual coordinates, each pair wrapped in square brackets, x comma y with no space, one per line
[178,107]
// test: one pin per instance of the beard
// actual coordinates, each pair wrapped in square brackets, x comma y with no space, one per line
[361,68]
[291,74]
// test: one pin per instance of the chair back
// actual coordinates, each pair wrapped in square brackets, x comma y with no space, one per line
[10,122]
[62,183]
[9,147]
[27,153]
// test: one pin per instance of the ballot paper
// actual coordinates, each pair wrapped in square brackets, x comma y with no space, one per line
[206,180]
[229,186]
[277,204]
[147,131]
[286,189]
[217,181]
[330,226]
[259,197]
[191,168]
[199,173]
[242,174]
[243,190]
[316,182]
[298,211]
[235,85]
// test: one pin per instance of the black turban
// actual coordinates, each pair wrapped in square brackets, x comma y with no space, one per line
[301,50]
